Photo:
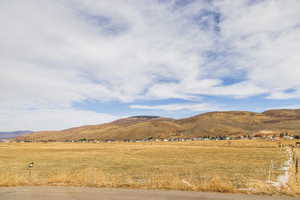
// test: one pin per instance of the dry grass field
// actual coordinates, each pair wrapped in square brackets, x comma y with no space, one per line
[225,166]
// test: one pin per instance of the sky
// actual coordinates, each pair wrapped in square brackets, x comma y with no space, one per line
[67,63]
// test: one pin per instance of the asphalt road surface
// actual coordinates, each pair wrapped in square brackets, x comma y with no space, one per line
[81,193]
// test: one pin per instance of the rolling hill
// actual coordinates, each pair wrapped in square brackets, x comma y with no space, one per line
[231,123]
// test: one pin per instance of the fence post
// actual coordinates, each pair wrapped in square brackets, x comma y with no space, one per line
[30,167]
[270,171]
[296,169]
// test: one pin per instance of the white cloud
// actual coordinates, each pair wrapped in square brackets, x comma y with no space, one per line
[284,94]
[177,107]
[50,119]
[68,51]
[56,53]
[266,38]
[293,106]
[65,44]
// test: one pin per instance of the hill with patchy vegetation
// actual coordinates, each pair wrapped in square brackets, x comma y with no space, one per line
[231,123]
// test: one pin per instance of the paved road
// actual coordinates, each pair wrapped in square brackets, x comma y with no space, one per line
[73,193]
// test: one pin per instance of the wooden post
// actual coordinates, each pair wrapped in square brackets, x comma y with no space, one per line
[95,181]
[296,169]
[270,171]
[294,155]
[29,174]
[30,166]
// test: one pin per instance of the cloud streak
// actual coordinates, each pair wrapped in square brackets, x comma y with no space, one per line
[177,107]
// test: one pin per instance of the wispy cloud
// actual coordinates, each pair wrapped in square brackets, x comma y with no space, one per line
[177,107]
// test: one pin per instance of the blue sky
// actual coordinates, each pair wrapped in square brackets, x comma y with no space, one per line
[70,63]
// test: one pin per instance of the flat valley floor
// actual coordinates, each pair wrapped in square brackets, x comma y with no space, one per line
[221,166]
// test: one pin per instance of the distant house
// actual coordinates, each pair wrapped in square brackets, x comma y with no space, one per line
[110,140]
[287,137]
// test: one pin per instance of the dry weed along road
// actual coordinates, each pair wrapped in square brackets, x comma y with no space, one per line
[80,193]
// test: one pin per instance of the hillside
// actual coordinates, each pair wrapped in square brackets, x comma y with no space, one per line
[231,123]
[129,128]
[284,113]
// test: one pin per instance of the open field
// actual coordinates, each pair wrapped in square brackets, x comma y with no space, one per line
[235,166]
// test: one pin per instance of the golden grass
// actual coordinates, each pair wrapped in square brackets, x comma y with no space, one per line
[238,166]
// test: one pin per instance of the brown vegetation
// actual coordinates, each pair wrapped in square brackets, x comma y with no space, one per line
[234,123]
[241,166]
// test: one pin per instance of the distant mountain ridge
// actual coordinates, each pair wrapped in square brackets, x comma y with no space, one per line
[229,123]
[14,133]
[145,116]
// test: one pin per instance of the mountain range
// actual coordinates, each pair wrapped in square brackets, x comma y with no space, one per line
[229,123]
[13,134]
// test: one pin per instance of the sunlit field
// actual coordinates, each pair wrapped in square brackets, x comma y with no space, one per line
[224,166]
